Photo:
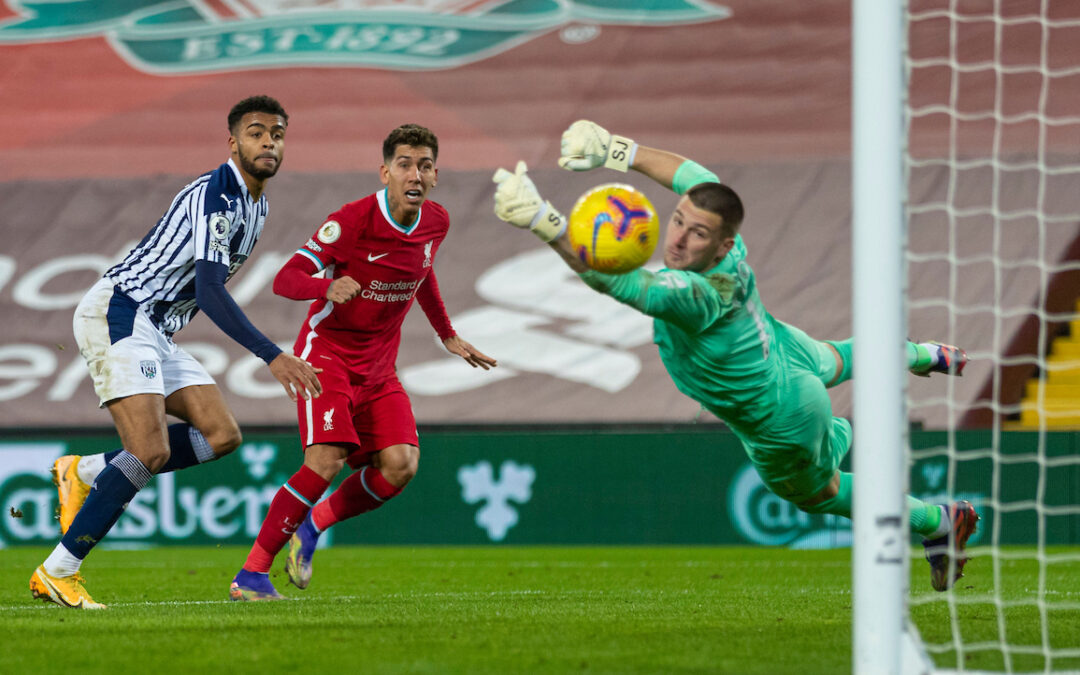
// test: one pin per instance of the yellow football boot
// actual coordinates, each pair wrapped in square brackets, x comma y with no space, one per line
[64,591]
[70,488]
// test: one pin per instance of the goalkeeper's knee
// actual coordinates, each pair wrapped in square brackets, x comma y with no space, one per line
[834,499]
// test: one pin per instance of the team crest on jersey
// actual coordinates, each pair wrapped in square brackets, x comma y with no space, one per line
[195,36]
[427,254]
[724,284]
[149,369]
[329,232]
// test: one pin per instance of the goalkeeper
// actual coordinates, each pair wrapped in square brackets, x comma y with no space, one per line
[762,377]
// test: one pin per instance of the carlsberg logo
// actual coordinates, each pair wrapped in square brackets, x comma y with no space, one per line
[161,512]
[763,518]
[23,466]
[188,36]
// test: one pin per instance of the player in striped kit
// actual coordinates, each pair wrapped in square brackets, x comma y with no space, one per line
[377,254]
[124,327]
[766,379]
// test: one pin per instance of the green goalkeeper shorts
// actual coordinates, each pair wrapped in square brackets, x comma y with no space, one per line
[798,449]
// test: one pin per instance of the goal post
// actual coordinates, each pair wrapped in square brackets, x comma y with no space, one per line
[880,559]
[966,229]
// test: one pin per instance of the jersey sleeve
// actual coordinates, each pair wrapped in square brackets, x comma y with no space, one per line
[295,279]
[218,305]
[689,300]
[332,242]
[431,302]
[212,226]
[689,174]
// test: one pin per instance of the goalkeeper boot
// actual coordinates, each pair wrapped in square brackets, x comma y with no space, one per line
[301,551]
[64,591]
[252,587]
[70,489]
[947,359]
[946,554]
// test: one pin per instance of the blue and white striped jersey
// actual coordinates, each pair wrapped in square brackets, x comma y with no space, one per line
[213,218]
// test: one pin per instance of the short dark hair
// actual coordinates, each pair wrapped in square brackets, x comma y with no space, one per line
[263,104]
[410,134]
[719,199]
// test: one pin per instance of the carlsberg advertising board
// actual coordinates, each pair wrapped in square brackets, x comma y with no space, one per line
[576,486]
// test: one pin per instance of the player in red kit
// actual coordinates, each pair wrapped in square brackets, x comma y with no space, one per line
[378,254]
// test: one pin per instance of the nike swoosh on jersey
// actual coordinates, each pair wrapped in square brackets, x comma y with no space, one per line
[373,258]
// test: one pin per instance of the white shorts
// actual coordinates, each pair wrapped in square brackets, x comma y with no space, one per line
[125,352]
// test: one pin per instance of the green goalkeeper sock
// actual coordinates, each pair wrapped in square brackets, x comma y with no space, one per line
[924,518]
[918,357]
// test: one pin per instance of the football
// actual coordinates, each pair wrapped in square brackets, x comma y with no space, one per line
[613,228]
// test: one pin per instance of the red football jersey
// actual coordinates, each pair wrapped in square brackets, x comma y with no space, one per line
[390,262]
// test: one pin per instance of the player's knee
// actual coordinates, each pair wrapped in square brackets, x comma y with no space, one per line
[154,459]
[399,463]
[325,460]
[807,507]
[225,439]
[819,502]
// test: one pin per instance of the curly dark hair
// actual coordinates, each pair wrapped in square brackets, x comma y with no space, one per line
[410,134]
[263,104]
[721,200]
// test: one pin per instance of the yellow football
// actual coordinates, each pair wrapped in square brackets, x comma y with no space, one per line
[613,228]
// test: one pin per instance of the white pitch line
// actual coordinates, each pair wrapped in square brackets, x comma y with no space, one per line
[184,603]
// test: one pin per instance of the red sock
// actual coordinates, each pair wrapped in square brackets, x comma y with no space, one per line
[288,509]
[361,492]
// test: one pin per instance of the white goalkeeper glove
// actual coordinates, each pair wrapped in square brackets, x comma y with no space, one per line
[587,145]
[518,202]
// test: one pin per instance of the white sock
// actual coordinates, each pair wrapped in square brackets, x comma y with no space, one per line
[61,563]
[89,467]
[944,527]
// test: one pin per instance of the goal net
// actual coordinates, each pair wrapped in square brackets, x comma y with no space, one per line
[991,192]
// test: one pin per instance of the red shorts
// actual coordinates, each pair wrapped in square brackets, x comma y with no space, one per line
[367,418]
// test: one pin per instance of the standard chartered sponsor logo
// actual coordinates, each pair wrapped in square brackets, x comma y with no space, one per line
[382,291]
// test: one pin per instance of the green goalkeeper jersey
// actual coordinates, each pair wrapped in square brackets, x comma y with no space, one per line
[767,380]
[713,333]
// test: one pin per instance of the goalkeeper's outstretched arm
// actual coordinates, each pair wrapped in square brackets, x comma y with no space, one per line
[518,202]
[587,145]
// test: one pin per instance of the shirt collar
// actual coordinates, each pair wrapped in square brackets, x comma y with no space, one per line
[384,206]
[239,179]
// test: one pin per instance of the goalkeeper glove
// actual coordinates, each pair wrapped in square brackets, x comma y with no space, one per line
[587,145]
[518,202]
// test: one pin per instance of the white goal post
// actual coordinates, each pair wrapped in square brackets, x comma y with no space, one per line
[880,558]
[966,228]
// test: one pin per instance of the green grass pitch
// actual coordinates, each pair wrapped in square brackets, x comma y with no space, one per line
[485,610]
